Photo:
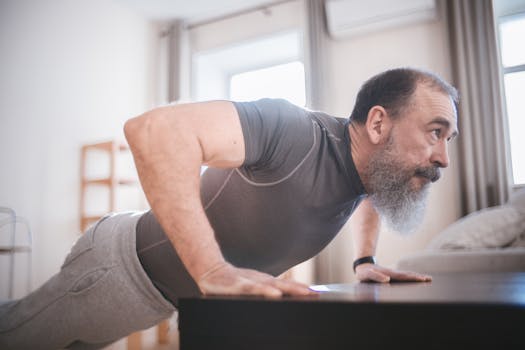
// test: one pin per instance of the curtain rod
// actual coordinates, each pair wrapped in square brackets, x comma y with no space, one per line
[264,7]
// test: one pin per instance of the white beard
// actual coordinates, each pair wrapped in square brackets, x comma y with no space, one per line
[403,212]
[399,205]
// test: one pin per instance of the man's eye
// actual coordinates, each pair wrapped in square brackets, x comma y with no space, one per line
[436,132]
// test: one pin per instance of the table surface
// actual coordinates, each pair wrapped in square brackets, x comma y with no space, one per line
[454,311]
[490,288]
[487,288]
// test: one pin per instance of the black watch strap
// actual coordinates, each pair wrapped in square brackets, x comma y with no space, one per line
[364,260]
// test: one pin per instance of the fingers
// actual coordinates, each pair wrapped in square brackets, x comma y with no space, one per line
[238,286]
[234,281]
[260,289]
[408,276]
[270,286]
[405,276]
[288,287]
[370,272]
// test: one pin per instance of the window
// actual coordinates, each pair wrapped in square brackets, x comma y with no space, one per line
[268,66]
[279,81]
[512,50]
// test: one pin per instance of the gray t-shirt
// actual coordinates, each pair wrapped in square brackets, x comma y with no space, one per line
[296,189]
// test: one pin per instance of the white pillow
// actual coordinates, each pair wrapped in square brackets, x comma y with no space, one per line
[517,200]
[494,227]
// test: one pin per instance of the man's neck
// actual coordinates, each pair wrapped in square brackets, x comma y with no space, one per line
[360,149]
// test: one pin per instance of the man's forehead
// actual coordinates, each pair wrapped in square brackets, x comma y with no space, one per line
[431,92]
[432,107]
[437,103]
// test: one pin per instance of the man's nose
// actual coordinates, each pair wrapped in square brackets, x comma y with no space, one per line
[440,155]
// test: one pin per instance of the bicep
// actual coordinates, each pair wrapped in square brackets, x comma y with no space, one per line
[218,129]
[213,127]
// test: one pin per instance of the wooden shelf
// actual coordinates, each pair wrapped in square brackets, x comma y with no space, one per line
[107,146]
[113,149]
[109,181]
[15,249]
[86,220]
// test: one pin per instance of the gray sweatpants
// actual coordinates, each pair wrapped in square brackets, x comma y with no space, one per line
[100,295]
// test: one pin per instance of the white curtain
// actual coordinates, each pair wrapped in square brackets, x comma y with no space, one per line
[179,62]
[316,55]
[476,74]
[316,45]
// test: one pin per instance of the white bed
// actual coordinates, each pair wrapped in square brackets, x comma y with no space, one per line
[489,240]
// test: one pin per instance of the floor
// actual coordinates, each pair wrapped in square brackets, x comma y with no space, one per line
[149,340]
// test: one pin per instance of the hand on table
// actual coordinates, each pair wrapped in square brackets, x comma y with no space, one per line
[376,273]
[227,279]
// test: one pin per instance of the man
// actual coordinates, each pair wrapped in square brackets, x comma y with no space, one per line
[281,183]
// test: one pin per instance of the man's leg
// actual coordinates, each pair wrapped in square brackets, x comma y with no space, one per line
[100,295]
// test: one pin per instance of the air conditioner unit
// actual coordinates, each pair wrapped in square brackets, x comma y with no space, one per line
[355,17]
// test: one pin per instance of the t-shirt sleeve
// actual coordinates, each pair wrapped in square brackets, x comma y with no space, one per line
[277,134]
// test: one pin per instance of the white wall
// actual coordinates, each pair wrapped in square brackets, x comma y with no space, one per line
[71,73]
[350,62]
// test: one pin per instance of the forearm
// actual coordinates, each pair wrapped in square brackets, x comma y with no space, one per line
[364,225]
[168,164]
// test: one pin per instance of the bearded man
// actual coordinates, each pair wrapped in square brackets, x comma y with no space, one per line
[281,182]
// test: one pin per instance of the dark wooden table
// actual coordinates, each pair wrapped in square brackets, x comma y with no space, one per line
[454,311]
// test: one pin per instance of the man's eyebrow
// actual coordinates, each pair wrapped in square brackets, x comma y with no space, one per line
[446,123]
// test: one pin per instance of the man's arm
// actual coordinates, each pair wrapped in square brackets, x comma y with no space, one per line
[364,225]
[169,145]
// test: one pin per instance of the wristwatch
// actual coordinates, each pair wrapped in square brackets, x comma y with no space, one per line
[364,260]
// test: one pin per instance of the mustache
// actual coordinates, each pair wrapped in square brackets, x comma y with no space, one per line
[432,173]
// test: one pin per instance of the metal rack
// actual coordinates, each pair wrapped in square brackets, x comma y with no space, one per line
[13,222]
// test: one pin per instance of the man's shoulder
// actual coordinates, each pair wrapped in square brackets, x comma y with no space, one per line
[271,106]
[335,125]
[287,109]
[281,117]
[277,116]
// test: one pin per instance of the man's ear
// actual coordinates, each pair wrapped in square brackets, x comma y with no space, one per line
[378,125]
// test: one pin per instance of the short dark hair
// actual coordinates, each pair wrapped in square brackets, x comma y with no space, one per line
[393,90]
